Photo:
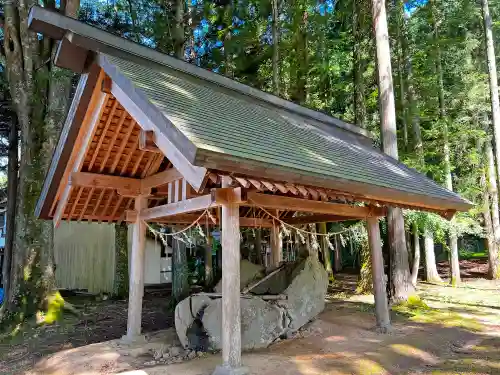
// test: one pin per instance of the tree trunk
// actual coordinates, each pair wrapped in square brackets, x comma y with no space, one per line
[41,99]
[400,279]
[228,16]
[416,255]
[493,269]
[364,285]
[276,47]
[299,87]
[431,273]
[402,72]
[179,29]
[492,71]
[494,261]
[121,283]
[359,66]
[180,272]
[454,264]
[12,180]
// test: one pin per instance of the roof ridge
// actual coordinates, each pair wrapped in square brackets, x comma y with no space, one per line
[98,40]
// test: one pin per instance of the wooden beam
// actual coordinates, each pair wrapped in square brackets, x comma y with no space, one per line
[147,141]
[161,178]
[304,205]
[190,205]
[318,218]
[124,186]
[72,57]
[83,143]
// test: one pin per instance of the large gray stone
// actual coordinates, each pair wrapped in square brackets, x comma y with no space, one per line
[261,323]
[306,293]
[248,273]
[185,311]
[304,283]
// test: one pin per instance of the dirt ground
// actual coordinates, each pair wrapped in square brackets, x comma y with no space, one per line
[456,331]
[100,320]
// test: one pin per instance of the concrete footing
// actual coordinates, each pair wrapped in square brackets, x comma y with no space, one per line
[226,369]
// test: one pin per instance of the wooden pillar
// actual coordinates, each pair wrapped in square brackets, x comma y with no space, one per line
[231,319]
[136,285]
[276,245]
[379,291]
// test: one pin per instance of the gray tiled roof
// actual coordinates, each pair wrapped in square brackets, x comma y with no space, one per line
[237,125]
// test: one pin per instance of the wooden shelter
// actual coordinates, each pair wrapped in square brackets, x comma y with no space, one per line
[152,138]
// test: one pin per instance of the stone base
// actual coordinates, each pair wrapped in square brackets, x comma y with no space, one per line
[225,369]
[126,340]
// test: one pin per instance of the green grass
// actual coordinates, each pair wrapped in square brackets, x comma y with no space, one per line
[416,310]
[465,255]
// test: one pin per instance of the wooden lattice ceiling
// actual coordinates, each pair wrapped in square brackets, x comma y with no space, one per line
[114,150]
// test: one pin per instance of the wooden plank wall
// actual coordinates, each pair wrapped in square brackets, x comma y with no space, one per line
[85,256]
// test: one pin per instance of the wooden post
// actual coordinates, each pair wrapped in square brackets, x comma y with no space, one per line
[231,319]
[276,245]
[381,305]
[136,286]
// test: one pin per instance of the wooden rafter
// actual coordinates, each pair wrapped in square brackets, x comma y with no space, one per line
[117,206]
[113,140]
[75,202]
[98,202]
[129,157]
[122,146]
[108,203]
[103,134]
[137,162]
[87,201]
[95,112]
